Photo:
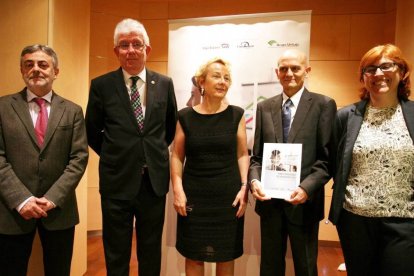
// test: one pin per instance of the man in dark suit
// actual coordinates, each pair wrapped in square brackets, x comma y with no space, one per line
[132,138]
[43,155]
[297,217]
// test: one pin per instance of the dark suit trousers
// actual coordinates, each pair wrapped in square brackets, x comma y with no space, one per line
[15,251]
[118,220]
[377,246]
[275,229]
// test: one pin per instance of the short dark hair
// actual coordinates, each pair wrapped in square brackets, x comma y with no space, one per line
[39,47]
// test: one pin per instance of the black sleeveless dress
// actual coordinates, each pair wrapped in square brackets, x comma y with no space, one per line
[211,180]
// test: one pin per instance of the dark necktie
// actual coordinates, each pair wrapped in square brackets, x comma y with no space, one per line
[286,118]
[41,122]
[136,103]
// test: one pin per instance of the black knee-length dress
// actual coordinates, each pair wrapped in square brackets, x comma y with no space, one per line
[211,180]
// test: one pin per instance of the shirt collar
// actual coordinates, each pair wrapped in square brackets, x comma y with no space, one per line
[31,96]
[295,98]
[142,75]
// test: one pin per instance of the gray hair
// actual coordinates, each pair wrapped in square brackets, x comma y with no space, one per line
[128,26]
[43,48]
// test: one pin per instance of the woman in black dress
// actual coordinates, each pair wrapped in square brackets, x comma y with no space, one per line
[209,167]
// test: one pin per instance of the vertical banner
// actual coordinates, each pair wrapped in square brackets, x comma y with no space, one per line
[251,44]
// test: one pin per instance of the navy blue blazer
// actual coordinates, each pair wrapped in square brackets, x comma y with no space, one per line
[346,127]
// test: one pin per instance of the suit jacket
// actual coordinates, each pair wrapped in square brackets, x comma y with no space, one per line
[311,127]
[53,171]
[113,133]
[345,131]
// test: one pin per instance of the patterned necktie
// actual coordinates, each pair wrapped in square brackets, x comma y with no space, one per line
[41,122]
[286,118]
[136,103]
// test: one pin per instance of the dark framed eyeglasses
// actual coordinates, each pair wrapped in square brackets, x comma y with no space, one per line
[384,67]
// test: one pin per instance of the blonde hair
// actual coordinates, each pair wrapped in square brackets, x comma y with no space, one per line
[201,73]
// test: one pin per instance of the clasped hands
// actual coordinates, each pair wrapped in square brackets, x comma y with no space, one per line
[298,196]
[36,208]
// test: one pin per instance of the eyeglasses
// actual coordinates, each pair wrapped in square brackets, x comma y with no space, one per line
[384,67]
[135,45]
[285,69]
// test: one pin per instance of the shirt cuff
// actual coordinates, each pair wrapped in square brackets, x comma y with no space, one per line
[20,206]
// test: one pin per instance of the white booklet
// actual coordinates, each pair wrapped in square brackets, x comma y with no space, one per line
[281,169]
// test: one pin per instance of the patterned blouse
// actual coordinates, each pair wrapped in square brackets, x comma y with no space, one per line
[381,181]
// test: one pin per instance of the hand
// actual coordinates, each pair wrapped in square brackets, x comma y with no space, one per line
[180,202]
[257,191]
[298,196]
[45,204]
[32,210]
[241,199]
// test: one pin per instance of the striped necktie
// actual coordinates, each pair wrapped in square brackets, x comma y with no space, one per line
[136,103]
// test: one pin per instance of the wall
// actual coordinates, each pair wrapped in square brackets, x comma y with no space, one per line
[405,30]
[14,41]
[64,25]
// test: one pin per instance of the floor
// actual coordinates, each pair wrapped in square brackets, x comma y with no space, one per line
[329,259]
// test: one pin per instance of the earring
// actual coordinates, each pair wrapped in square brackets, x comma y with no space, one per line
[202,91]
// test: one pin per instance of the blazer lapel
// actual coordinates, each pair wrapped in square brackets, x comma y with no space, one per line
[57,109]
[276,111]
[150,96]
[123,95]
[22,110]
[301,114]
[408,112]
[355,117]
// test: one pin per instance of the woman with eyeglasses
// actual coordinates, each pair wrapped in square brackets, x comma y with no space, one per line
[372,165]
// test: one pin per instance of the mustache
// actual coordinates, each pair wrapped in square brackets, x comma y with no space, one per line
[36,76]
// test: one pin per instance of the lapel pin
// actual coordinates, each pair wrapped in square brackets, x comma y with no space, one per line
[152,82]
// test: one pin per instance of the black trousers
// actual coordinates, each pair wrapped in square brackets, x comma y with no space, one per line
[118,222]
[57,245]
[275,229]
[377,246]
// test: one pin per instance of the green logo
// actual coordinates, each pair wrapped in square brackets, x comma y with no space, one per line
[272,42]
